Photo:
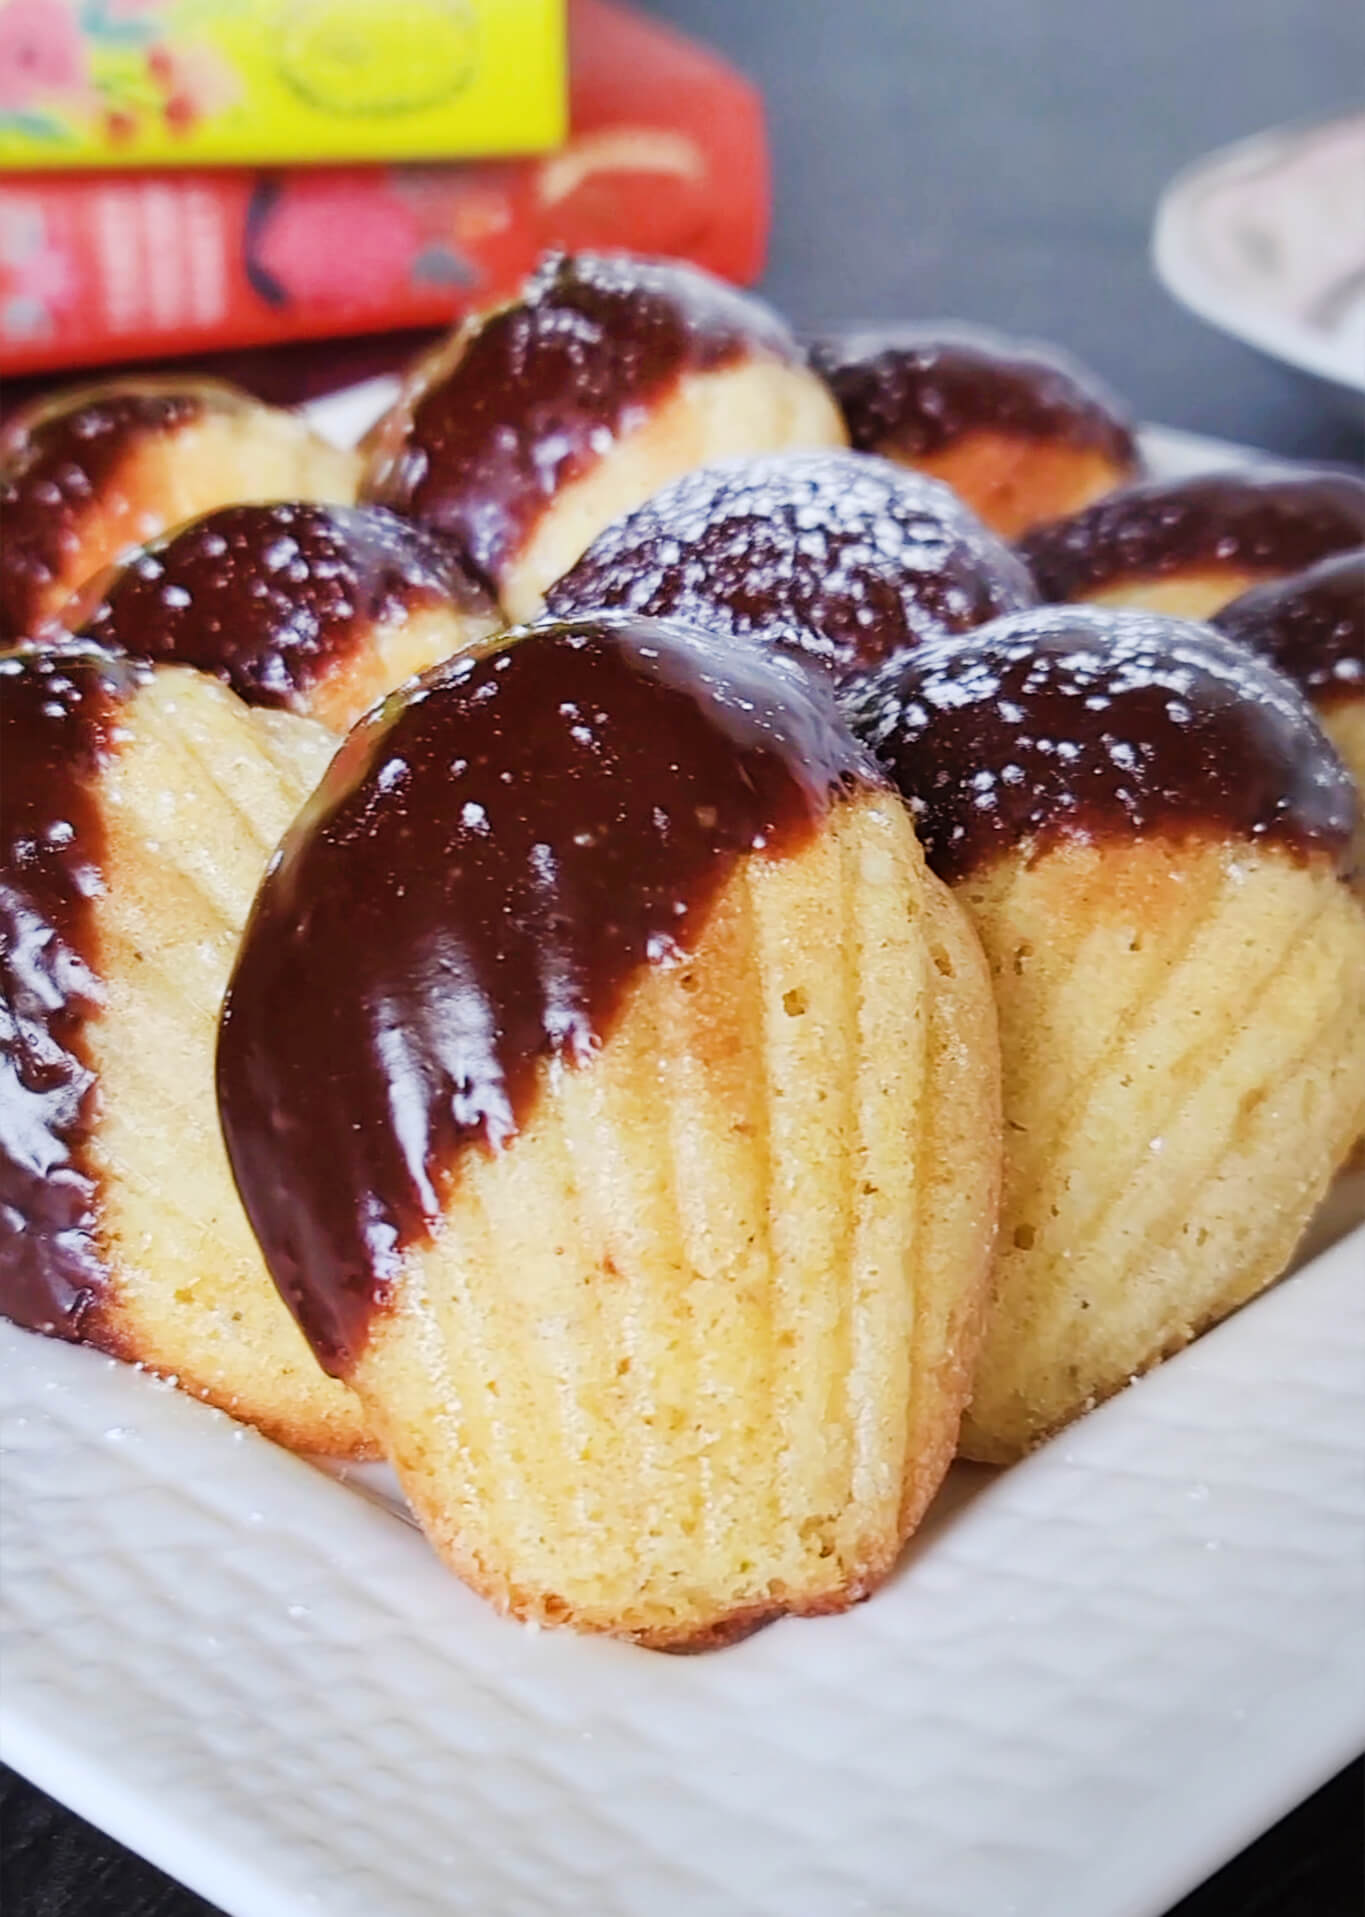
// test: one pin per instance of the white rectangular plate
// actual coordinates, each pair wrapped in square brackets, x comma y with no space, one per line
[1092,1678]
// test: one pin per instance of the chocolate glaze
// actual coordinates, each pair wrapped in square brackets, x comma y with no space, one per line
[55,465]
[1275,520]
[491,859]
[269,598]
[1312,625]
[837,558]
[917,389]
[539,390]
[1076,723]
[58,716]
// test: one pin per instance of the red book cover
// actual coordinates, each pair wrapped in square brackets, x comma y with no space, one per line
[666,154]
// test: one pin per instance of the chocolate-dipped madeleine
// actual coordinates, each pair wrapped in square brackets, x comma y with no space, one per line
[1022,432]
[316,608]
[540,422]
[1312,626]
[650,1199]
[1188,546]
[140,807]
[89,473]
[839,559]
[1149,832]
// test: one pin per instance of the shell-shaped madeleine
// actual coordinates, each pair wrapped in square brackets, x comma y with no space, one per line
[691,1351]
[196,799]
[1312,626]
[299,605]
[1183,1038]
[1186,547]
[541,421]
[650,1204]
[173,813]
[1150,833]
[86,474]
[1022,432]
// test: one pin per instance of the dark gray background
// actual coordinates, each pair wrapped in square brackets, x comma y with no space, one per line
[996,160]
[1000,160]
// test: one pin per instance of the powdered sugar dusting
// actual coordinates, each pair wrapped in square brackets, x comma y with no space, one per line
[270,597]
[838,557]
[1075,722]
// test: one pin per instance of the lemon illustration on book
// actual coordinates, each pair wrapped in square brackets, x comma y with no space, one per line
[361,57]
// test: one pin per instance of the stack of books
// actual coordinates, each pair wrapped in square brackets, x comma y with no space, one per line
[188,175]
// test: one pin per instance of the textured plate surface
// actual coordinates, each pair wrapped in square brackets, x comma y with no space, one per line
[1093,1677]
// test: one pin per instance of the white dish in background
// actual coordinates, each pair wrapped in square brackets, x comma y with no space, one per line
[1092,1679]
[1266,240]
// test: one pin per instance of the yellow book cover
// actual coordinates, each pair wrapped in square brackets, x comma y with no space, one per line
[133,83]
